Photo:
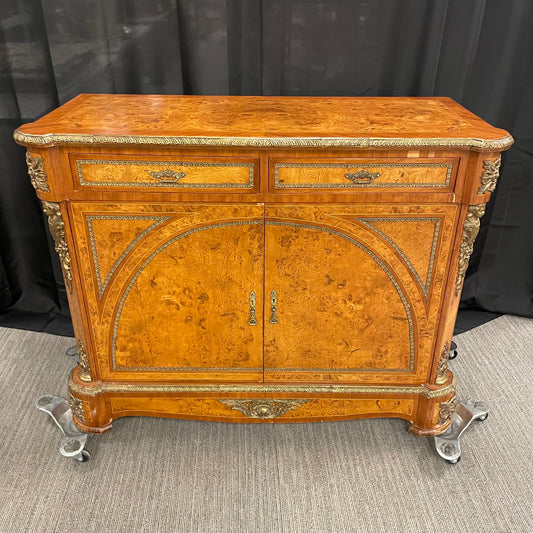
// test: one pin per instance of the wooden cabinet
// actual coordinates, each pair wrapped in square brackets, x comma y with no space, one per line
[267,259]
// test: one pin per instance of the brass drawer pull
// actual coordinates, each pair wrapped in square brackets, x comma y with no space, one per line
[274,307]
[362,176]
[167,175]
[252,321]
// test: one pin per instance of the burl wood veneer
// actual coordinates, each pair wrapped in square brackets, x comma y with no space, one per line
[253,259]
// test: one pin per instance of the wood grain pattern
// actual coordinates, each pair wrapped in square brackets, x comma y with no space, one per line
[161,172]
[350,306]
[163,264]
[177,304]
[249,116]
[332,173]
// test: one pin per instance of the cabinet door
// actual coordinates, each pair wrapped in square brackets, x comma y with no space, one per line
[168,289]
[357,291]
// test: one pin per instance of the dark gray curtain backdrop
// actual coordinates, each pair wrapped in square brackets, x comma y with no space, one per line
[479,52]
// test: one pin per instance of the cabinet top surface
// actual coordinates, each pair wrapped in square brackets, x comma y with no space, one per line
[264,121]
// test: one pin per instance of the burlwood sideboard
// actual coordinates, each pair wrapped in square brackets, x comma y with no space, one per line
[263,259]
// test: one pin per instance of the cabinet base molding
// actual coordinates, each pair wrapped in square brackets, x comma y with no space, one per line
[101,403]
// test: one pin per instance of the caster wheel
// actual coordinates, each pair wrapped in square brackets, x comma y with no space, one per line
[453,351]
[482,418]
[84,456]
[453,461]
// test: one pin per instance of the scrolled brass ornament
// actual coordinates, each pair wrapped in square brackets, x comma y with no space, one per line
[167,175]
[362,176]
[57,230]
[85,370]
[36,172]
[263,409]
[76,405]
[446,410]
[489,177]
[442,368]
[470,232]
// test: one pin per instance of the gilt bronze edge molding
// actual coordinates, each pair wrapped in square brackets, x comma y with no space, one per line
[95,389]
[349,142]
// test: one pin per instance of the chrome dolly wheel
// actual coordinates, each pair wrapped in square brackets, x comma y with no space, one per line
[73,441]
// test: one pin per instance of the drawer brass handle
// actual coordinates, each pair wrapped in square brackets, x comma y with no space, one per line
[167,175]
[252,321]
[362,176]
[274,307]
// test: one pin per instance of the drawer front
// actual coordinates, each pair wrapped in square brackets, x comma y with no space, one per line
[165,172]
[345,175]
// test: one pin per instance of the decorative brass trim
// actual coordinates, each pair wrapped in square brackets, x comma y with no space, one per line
[489,177]
[57,230]
[442,367]
[470,231]
[350,142]
[446,410]
[103,284]
[167,175]
[260,388]
[252,321]
[425,286]
[76,405]
[274,307]
[263,408]
[136,276]
[362,176]
[36,172]
[85,370]
[356,184]
[402,296]
[162,182]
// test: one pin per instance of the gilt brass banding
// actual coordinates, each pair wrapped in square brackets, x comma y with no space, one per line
[134,280]
[423,284]
[102,284]
[385,269]
[259,388]
[369,176]
[166,177]
[317,142]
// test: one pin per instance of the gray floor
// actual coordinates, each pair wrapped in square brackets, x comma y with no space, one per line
[359,476]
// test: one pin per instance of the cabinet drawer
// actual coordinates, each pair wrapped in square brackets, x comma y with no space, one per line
[165,172]
[345,175]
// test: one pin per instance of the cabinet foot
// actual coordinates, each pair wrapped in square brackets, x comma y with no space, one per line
[447,444]
[73,441]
